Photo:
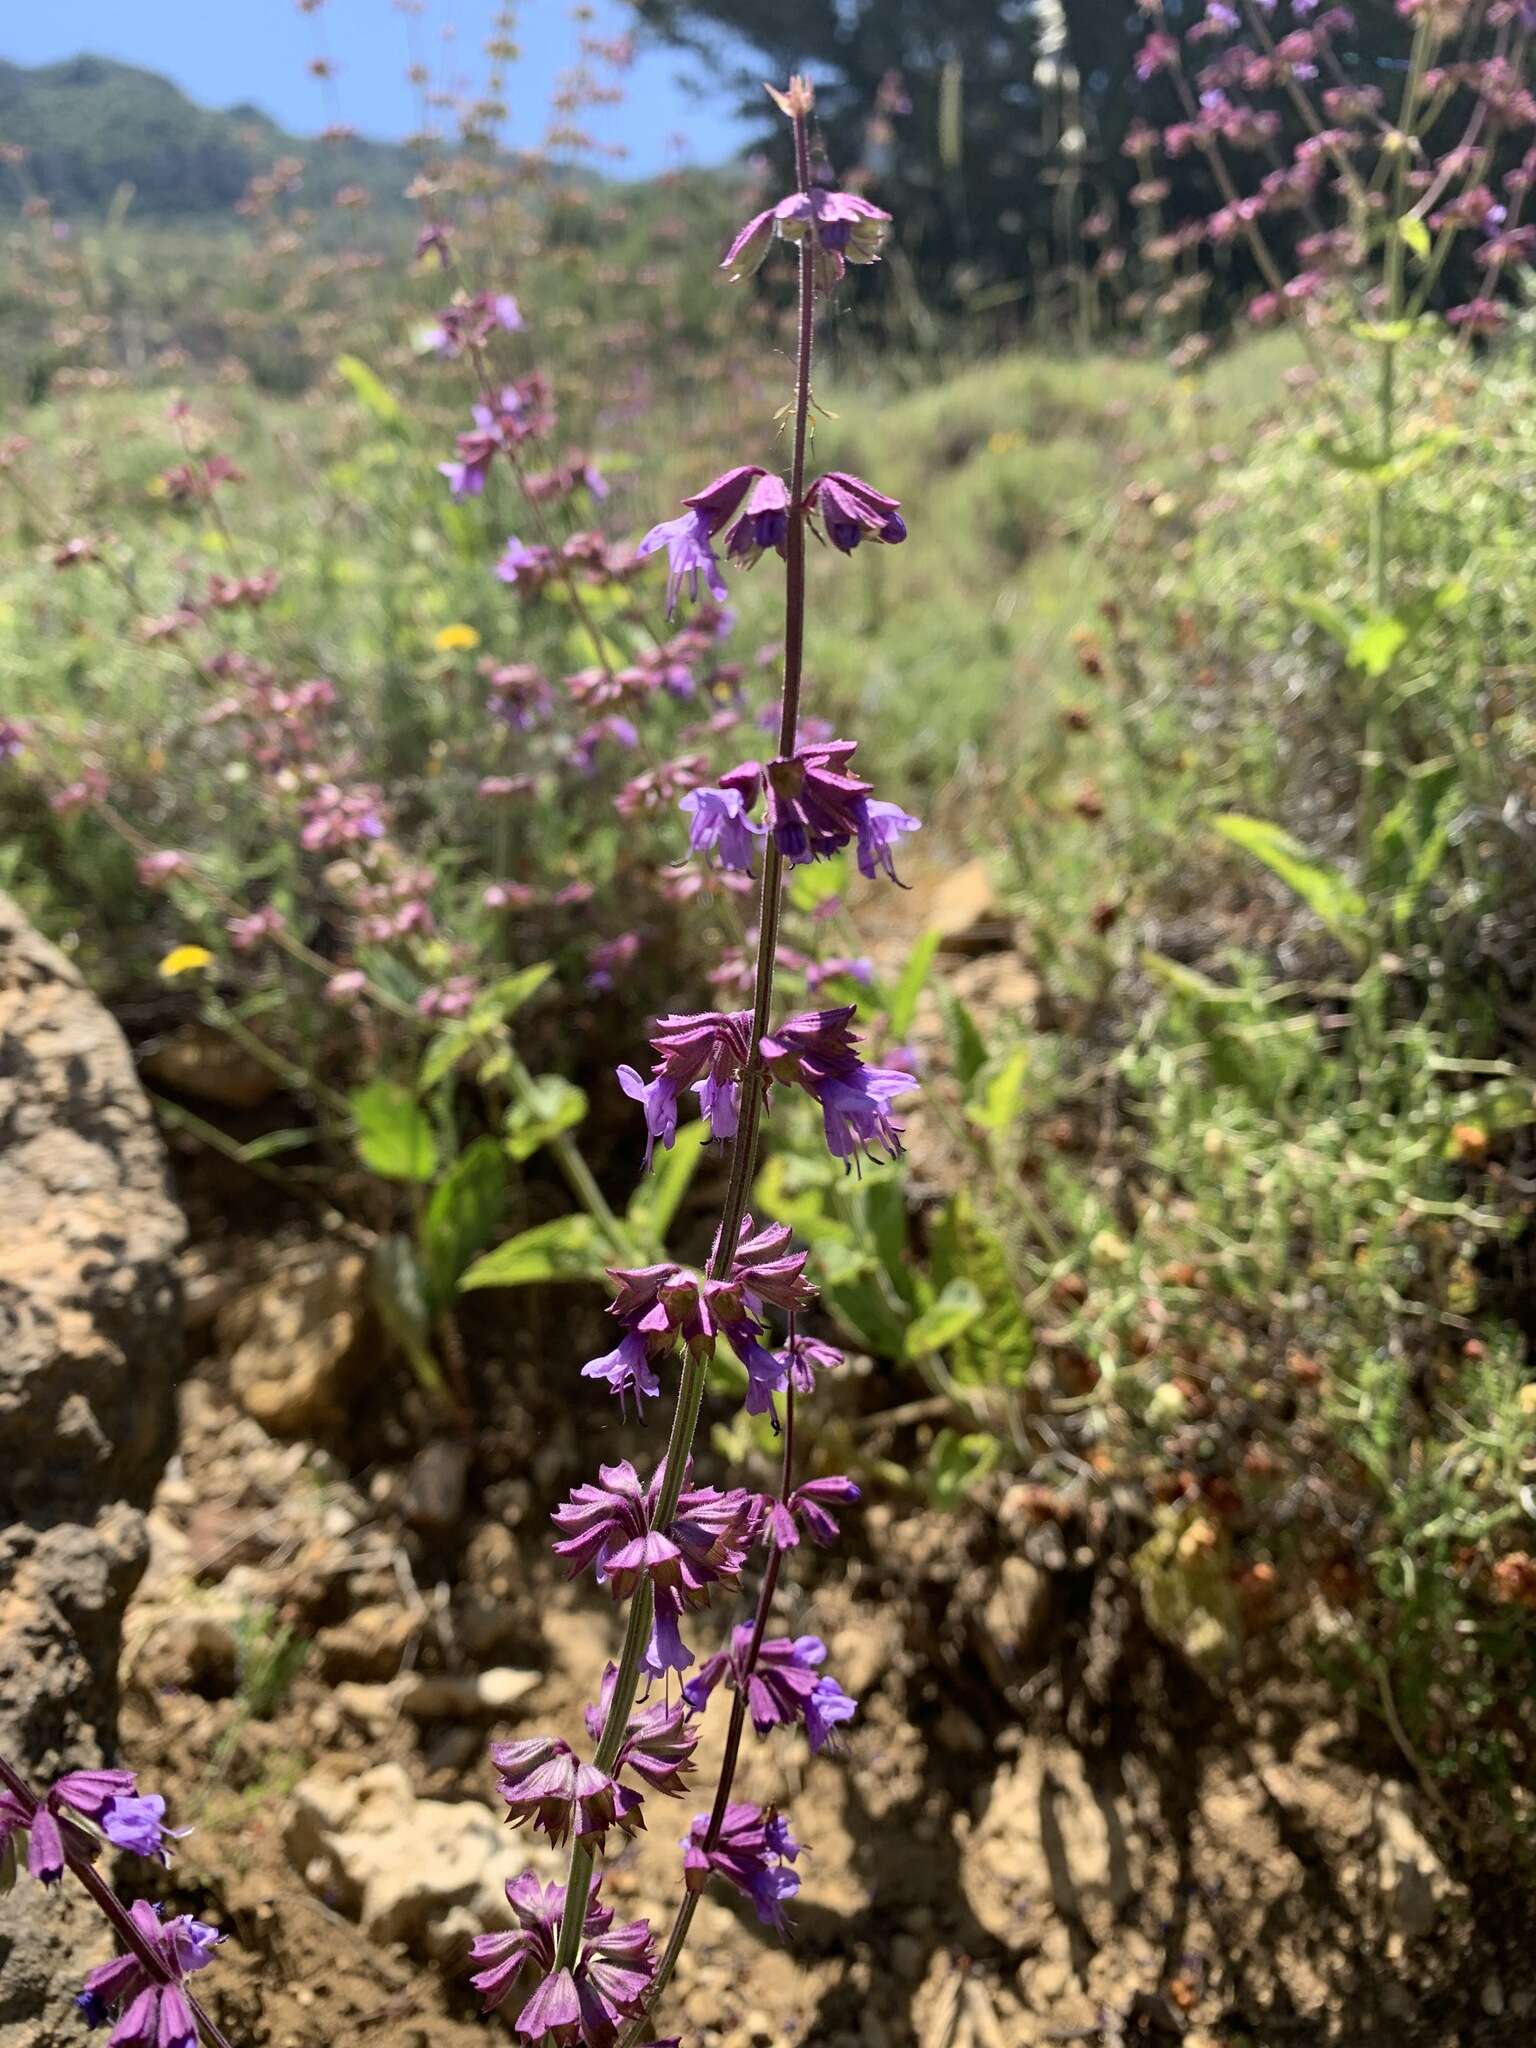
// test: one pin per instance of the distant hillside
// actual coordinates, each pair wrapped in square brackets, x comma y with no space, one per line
[92,125]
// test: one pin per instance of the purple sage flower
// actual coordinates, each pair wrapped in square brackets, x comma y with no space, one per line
[720,827]
[614,1970]
[844,227]
[815,1051]
[811,1505]
[785,1685]
[150,2013]
[752,1854]
[543,1780]
[704,1051]
[851,509]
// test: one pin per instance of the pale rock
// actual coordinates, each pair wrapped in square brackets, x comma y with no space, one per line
[1415,1885]
[400,1865]
[369,1644]
[294,1343]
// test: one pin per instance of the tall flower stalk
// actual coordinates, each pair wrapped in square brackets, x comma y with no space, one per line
[664,1546]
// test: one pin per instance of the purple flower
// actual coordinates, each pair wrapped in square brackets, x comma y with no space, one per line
[721,827]
[687,538]
[804,1357]
[627,1369]
[543,1780]
[815,807]
[815,1051]
[752,1854]
[614,1970]
[849,509]
[764,523]
[1158,53]
[608,957]
[704,1051]
[609,1527]
[785,1684]
[528,566]
[13,738]
[880,826]
[689,555]
[811,1504]
[844,228]
[152,2014]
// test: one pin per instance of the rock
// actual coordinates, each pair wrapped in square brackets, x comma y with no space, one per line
[964,910]
[296,1341]
[179,1646]
[90,1342]
[434,1486]
[432,1697]
[1415,1885]
[198,1060]
[400,1865]
[1013,1619]
[369,1644]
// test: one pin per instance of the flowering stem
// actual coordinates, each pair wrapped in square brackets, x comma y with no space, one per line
[734,1733]
[690,1393]
[108,1904]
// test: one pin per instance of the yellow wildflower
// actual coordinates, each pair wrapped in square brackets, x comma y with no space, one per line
[184,960]
[454,638]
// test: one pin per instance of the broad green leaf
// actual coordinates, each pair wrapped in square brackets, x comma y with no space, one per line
[999,1348]
[914,977]
[967,1046]
[797,1191]
[999,1098]
[504,998]
[371,393]
[400,1298]
[553,1105]
[1326,893]
[462,1216]
[1376,643]
[947,1320]
[657,1199]
[569,1248]
[394,1136]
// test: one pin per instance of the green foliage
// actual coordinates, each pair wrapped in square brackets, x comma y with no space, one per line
[569,1248]
[394,1134]
[269,1656]
[462,1217]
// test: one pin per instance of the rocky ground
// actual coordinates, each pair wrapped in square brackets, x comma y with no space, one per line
[1043,1826]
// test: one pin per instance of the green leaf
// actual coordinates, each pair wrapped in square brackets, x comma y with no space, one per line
[371,393]
[394,1137]
[999,1348]
[966,1044]
[553,1105]
[569,1248]
[1191,983]
[797,1191]
[462,1216]
[999,1098]
[400,1298]
[1376,643]
[914,976]
[957,1308]
[271,1143]
[1325,892]
[956,1463]
[657,1199]
[883,1200]
[504,998]
[443,1053]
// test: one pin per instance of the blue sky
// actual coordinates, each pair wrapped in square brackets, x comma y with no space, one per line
[223,51]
